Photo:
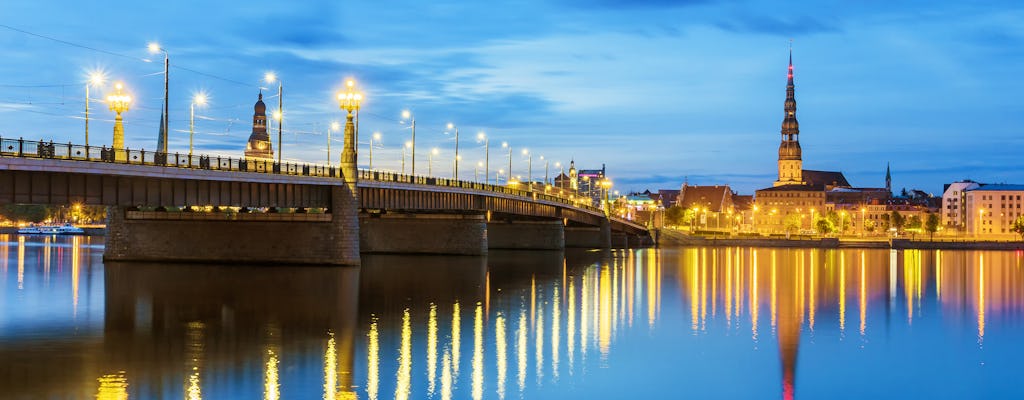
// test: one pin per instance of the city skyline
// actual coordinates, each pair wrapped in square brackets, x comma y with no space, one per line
[661,92]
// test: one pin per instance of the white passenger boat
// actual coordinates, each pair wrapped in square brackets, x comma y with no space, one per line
[66,229]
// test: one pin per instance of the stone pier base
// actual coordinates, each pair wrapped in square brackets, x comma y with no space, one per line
[455,234]
[526,235]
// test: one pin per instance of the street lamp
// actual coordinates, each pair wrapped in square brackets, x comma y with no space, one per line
[981,213]
[455,170]
[487,154]
[161,145]
[506,145]
[408,115]
[200,99]
[863,222]
[545,169]
[332,127]
[408,145]
[529,169]
[96,78]
[430,161]
[476,171]
[118,103]
[271,77]
[561,171]
[606,184]
[349,100]
[496,175]
[374,136]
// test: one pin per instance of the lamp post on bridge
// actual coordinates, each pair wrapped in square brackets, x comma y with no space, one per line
[349,100]
[497,174]
[279,115]
[333,126]
[162,141]
[408,144]
[504,145]
[374,136]
[118,103]
[455,162]
[408,115]
[487,154]
[96,78]
[430,161]
[529,169]
[200,99]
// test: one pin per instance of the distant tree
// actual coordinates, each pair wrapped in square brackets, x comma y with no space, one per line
[914,224]
[26,212]
[931,224]
[792,222]
[884,222]
[896,220]
[840,221]
[869,226]
[824,226]
[674,215]
[1018,226]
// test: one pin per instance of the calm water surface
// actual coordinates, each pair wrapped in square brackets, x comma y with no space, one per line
[742,323]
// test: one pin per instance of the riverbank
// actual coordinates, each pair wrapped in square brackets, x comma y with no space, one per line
[673,238]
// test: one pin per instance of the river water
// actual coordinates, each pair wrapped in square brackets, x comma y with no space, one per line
[744,323]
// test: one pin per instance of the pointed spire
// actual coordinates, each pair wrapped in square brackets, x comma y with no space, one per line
[790,76]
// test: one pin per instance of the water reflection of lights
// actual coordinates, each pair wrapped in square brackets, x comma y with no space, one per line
[478,352]
[113,387]
[373,360]
[431,348]
[404,359]
[194,359]
[501,350]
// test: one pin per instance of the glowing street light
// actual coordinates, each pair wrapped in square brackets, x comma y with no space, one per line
[430,161]
[408,145]
[96,78]
[506,145]
[476,171]
[374,136]
[118,103]
[863,226]
[271,77]
[200,99]
[155,48]
[455,162]
[407,115]
[334,126]
[497,174]
[529,169]
[487,154]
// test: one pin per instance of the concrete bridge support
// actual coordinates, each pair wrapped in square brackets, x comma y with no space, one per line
[397,233]
[230,238]
[597,237]
[526,235]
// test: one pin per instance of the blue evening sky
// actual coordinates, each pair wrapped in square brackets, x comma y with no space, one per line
[658,90]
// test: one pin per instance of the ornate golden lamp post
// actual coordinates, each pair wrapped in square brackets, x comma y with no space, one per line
[349,101]
[119,103]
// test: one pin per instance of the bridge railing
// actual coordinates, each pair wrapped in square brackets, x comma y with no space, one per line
[388,176]
[67,151]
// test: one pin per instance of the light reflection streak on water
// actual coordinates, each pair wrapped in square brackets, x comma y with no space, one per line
[755,305]
[694,301]
[113,387]
[774,292]
[431,349]
[584,314]
[981,299]
[703,289]
[373,360]
[47,253]
[863,295]
[501,358]
[446,375]
[570,337]
[404,375]
[842,294]
[521,349]
[456,340]
[538,339]
[814,291]
[194,363]
[605,317]
[728,289]
[478,352]
[21,262]
[76,242]
[330,368]
[556,319]
[271,386]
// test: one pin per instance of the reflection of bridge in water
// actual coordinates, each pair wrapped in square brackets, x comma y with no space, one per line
[464,327]
[315,214]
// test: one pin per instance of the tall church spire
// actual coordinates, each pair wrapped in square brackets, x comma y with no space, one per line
[790,158]
[888,179]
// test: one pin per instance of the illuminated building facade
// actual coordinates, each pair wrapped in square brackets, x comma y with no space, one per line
[991,210]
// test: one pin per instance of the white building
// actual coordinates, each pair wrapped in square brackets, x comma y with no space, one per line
[954,208]
[991,210]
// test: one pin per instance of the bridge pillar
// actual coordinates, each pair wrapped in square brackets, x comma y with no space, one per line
[399,233]
[330,239]
[526,235]
[589,237]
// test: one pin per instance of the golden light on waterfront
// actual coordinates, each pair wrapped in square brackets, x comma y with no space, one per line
[373,360]
[404,375]
[113,387]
